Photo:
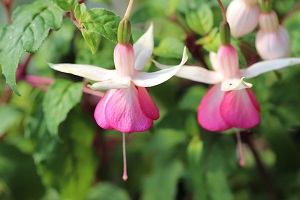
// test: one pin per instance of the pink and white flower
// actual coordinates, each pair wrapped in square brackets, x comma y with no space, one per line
[242,16]
[230,103]
[127,105]
[272,39]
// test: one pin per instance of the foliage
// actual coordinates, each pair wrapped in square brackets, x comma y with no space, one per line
[52,148]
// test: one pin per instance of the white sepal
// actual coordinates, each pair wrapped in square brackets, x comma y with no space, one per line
[87,71]
[266,66]
[143,49]
[199,74]
[144,79]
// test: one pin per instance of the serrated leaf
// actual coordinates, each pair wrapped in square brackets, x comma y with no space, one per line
[102,22]
[62,96]
[200,20]
[30,26]
[80,12]
[65,4]
[67,164]
[8,115]
[92,39]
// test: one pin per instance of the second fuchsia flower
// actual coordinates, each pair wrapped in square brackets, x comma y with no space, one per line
[230,103]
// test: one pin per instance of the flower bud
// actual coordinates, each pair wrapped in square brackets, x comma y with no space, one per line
[272,40]
[268,21]
[242,16]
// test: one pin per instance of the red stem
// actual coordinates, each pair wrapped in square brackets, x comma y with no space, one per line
[72,16]
[41,82]
[7,5]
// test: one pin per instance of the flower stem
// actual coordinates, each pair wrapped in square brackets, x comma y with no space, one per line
[125,177]
[128,10]
[74,20]
[240,151]
[223,10]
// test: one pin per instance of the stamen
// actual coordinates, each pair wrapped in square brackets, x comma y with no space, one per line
[125,177]
[242,161]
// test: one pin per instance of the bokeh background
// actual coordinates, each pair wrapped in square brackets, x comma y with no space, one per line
[176,158]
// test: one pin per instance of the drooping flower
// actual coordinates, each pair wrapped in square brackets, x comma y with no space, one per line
[242,16]
[127,105]
[229,103]
[272,39]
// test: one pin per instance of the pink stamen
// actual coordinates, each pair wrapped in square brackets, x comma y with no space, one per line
[125,177]
[242,161]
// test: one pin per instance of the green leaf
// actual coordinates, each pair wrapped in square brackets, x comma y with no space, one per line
[102,58]
[162,182]
[66,5]
[102,22]
[80,12]
[169,48]
[107,191]
[201,20]
[57,46]
[292,26]
[194,150]
[92,39]
[8,115]
[67,164]
[208,178]
[62,96]
[30,26]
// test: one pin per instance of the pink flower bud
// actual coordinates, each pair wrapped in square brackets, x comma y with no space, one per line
[272,40]
[242,16]
[268,21]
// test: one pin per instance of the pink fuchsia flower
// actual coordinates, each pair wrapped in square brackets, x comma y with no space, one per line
[242,16]
[229,103]
[127,105]
[272,39]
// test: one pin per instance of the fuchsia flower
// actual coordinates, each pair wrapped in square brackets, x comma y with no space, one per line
[242,16]
[127,105]
[272,39]
[230,103]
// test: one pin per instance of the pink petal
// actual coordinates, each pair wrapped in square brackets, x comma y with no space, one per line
[239,109]
[253,99]
[148,106]
[123,111]
[209,116]
[99,113]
